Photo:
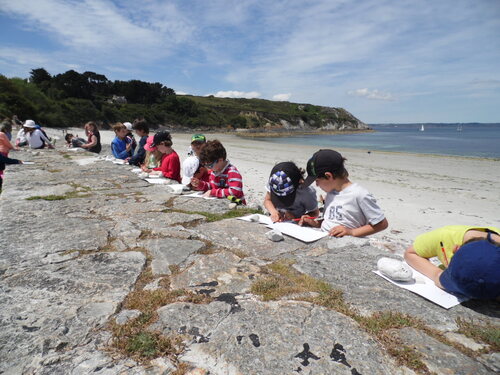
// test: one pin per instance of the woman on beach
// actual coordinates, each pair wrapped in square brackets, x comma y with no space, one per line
[287,198]
[94,138]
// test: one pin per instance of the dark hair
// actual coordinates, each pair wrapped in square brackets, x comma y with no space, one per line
[68,137]
[338,171]
[141,125]
[211,151]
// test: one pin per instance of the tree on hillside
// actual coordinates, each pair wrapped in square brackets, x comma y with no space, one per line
[140,92]
[73,84]
[37,76]
[99,83]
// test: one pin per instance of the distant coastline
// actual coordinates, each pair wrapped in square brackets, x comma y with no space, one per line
[297,133]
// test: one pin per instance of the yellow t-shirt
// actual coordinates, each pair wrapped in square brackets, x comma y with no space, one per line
[428,245]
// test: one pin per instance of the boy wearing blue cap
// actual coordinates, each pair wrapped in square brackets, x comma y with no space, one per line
[286,197]
[469,255]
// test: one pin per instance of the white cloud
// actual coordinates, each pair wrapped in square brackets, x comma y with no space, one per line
[282,97]
[237,94]
[178,92]
[93,27]
[371,94]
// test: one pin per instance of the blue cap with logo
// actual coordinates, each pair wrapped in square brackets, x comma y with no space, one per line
[474,270]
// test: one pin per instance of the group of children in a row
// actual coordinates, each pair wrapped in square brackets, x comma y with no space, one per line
[349,209]
[205,169]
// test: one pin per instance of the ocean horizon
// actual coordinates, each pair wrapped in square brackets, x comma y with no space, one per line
[449,139]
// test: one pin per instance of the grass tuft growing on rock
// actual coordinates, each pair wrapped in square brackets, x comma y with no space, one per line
[77,193]
[211,217]
[281,279]
[488,334]
[133,340]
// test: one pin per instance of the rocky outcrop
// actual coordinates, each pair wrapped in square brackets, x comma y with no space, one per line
[82,240]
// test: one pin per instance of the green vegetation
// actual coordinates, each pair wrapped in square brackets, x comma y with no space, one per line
[72,99]
[135,340]
[211,217]
[79,192]
[488,334]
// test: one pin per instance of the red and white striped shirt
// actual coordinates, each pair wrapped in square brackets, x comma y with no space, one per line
[228,182]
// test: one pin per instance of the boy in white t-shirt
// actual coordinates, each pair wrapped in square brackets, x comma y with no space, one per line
[350,210]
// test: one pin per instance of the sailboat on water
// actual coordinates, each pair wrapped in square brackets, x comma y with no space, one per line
[459,128]
[422,128]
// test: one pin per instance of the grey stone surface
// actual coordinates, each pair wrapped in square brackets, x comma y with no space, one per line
[216,206]
[283,338]
[169,252]
[66,267]
[249,238]
[217,273]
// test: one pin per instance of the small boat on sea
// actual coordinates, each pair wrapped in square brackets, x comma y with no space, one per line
[422,128]
[459,128]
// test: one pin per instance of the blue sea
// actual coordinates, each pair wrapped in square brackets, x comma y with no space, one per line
[472,140]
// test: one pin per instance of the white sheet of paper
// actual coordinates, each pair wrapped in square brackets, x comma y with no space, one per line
[198,194]
[304,234]
[157,181]
[28,162]
[136,170]
[86,161]
[176,188]
[426,288]
[119,161]
[263,219]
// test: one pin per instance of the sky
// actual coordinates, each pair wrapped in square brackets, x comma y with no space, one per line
[385,61]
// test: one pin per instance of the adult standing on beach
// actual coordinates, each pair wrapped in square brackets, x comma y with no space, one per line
[94,138]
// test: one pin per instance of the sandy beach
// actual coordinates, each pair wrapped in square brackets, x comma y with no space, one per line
[416,192]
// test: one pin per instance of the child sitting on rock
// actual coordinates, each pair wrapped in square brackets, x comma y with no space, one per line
[170,166]
[142,130]
[350,210]
[287,198]
[153,156]
[72,141]
[191,166]
[121,145]
[470,257]
[224,181]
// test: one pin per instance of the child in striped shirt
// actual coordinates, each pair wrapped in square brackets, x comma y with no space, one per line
[224,180]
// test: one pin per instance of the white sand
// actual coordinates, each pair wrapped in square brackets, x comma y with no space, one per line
[416,192]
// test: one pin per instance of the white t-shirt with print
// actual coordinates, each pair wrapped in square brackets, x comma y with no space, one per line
[305,201]
[352,207]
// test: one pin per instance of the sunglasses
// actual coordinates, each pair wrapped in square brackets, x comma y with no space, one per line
[212,165]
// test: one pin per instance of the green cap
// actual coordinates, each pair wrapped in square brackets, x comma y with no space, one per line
[198,138]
